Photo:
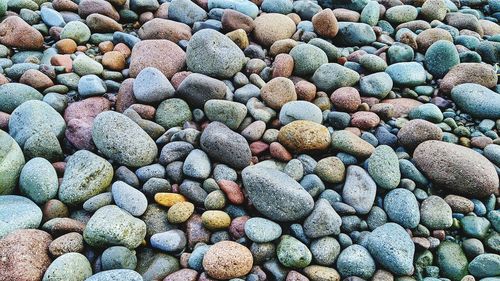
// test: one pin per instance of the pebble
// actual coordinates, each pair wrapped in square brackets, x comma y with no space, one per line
[331,76]
[476,100]
[261,230]
[406,74]
[129,198]
[197,89]
[435,213]
[19,34]
[278,92]
[301,136]
[293,253]
[116,274]
[186,12]
[307,59]
[402,207]
[451,260]
[18,212]
[69,266]
[355,260]
[229,113]
[417,131]
[485,265]
[151,86]
[38,180]
[180,212]
[383,167]
[325,23]
[67,243]
[288,201]
[172,241]
[440,57]
[272,27]
[163,55]
[348,142]
[11,163]
[322,221]
[227,259]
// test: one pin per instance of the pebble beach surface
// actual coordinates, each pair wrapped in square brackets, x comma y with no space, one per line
[249,140]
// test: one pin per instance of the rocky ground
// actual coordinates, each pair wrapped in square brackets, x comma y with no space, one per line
[249,140]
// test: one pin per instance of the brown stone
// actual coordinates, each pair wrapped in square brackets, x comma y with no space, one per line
[302,136]
[237,227]
[184,274]
[346,99]
[68,243]
[258,147]
[365,120]
[16,33]
[36,79]
[459,204]
[277,92]
[478,73]
[65,5]
[113,60]
[88,7]
[54,209]
[272,27]
[227,259]
[464,21]
[164,55]
[102,24]
[428,37]
[125,97]
[283,66]
[62,60]
[66,46]
[325,23]
[402,105]
[162,11]
[239,37]
[417,131]
[165,29]
[123,49]
[196,232]
[24,255]
[232,20]
[305,90]
[295,276]
[279,152]
[61,226]
[346,15]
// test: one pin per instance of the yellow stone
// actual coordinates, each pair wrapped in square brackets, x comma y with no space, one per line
[215,220]
[302,136]
[180,212]
[169,199]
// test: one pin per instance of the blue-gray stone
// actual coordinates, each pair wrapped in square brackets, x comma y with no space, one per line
[300,110]
[355,260]
[307,59]
[359,189]
[116,274]
[277,6]
[485,265]
[129,198]
[172,241]
[91,85]
[14,94]
[17,212]
[118,257]
[331,76]
[261,230]
[52,17]
[376,85]
[243,6]
[401,207]
[383,166]
[197,165]
[185,11]
[477,100]
[322,221]
[354,34]
[11,163]
[407,74]
[38,180]
[70,266]
[440,57]
[151,86]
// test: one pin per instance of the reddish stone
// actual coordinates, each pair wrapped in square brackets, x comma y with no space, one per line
[164,55]
[283,66]
[185,274]
[279,152]
[365,120]
[59,167]
[54,209]
[62,60]
[295,276]
[125,97]
[144,110]
[16,33]
[257,147]
[4,120]
[305,90]
[346,99]
[196,232]
[237,227]
[402,105]
[178,78]
[232,20]
[232,191]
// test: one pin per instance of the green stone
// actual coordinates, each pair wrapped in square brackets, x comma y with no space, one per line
[173,113]
[293,253]
[452,261]
[11,162]
[383,167]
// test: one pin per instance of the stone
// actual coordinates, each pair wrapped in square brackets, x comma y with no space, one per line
[129,198]
[13,95]
[476,100]
[300,110]
[346,99]
[485,265]
[307,58]
[401,207]
[85,175]
[70,266]
[242,6]
[11,163]
[325,23]
[172,241]
[186,12]
[406,74]
[417,131]
[376,85]
[122,140]
[24,254]
[355,260]
[67,243]
[359,190]
[440,57]
[435,213]
[211,53]
[383,167]
[159,28]
[197,89]
[293,253]
[278,92]
[451,260]
[154,265]
[434,10]
[322,221]
[477,73]
[456,168]
[301,136]
[261,230]
[163,55]
[227,259]
[91,85]
[348,142]
[330,169]
[17,212]
[180,212]
[354,34]
[38,180]
[272,27]
[173,112]
[16,33]
[331,76]
[392,247]
[151,86]
[116,274]
[233,20]
[84,65]
[276,195]
[401,14]
[225,146]
[110,225]
[229,113]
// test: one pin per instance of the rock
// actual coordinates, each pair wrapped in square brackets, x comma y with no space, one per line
[302,136]
[348,142]
[122,140]
[440,57]
[70,266]
[355,260]
[391,246]
[477,100]
[434,10]
[16,33]
[451,260]
[11,162]
[261,230]
[211,53]
[325,23]
[91,85]
[77,31]
[463,21]
[88,7]
[293,253]
[186,12]
[315,272]
[383,167]
[276,195]
[229,113]
[225,146]
[478,73]
[151,86]
[84,65]
[163,55]
[417,131]
[38,180]
[272,27]
[129,198]
[456,168]
[118,257]
[172,241]
[476,227]
[110,225]
[13,95]
[376,85]
[322,221]
[359,190]
[485,265]
[401,207]
[401,14]
[24,254]
[278,92]
[17,212]
[330,170]
[242,6]
[153,265]
[158,28]
[67,243]
[227,259]
[180,212]
[402,106]
[370,13]
[233,20]
[300,110]
[346,99]
[85,175]
[197,165]
[116,274]
[354,34]
[331,76]
[406,74]
[102,24]
[172,113]
[307,58]
[197,89]
[435,213]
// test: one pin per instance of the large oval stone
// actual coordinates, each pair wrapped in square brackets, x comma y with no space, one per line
[17,212]
[276,195]
[11,162]
[303,135]
[457,168]
[121,139]
[477,100]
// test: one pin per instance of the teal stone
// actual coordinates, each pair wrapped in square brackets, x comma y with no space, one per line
[373,63]
[277,6]
[293,253]
[492,152]
[195,260]
[356,5]
[18,69]
[3,7]
[76,30]
[354,34]
[402,207]
[468,41]
[428,111]
[261,230]
[14,94]
[452,261]
[332,52]
[424,90]
[440,57]
[476,227]
[407,74]
[408,170]
[17,212]
[97,38]
[494,218]
[331,76]
[371,13]
[70,266]
[186,11]
[355,260]
[243,6]
[229,113]
[477,100]
[38,180]
[383,167]
[11,162]
[307,59]
[399,52]
[485,265]
[376,85]
[17,5]
[118,257]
